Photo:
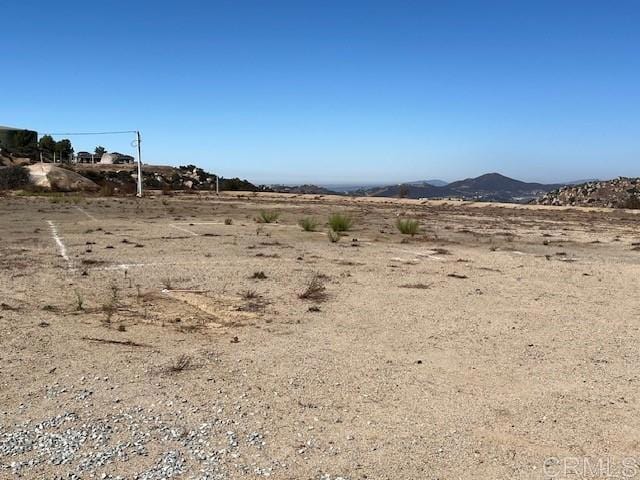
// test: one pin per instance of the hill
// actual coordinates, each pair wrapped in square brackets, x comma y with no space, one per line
[435,182]
[408,190]
[494,186]
[488,187]
[303,189]
[189,177]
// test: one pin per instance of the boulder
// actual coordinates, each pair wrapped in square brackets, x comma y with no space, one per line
[46,175]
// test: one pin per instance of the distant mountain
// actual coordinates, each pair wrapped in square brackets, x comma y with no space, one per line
[408,190]
[488,187]
[303,189]
[349,187]
[495,186]
[434,182]
[580,182]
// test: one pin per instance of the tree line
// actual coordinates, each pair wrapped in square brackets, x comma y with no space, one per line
[63,149]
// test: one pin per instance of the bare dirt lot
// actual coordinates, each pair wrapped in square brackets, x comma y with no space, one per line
[147,339]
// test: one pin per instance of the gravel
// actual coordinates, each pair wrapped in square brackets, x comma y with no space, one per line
[78,444]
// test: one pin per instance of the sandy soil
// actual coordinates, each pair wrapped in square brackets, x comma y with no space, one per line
[134,342]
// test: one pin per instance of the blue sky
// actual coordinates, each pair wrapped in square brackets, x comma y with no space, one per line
[336,91]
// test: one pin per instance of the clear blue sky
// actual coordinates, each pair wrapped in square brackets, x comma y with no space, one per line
[329,91]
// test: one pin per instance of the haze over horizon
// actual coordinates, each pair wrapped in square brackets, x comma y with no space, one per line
[337,92]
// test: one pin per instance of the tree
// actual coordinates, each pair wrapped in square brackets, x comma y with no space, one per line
[64,149]
[47,145]
[403,191]
[25,143]
[100,150]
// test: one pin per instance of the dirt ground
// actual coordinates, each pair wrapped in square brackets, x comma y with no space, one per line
[135,342]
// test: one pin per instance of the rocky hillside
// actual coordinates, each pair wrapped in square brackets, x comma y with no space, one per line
[621,192]
[123,178]
[117,178]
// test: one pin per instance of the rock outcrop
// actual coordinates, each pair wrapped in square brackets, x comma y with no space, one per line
[48,176]
[621,192]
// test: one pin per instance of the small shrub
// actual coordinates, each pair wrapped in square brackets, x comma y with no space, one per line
[333,236]
[115,290]
[249,294]
[420,286]
[228,221]
[340,222]
[108,309]
[408,226]
[107,190]
[315,290]
[308,224]
[632,203]
[260,275]
[183,362]
[13,177]
[268,217]
[79,301]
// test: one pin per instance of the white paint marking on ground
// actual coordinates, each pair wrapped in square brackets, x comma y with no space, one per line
[125,266]
[58,240]
[421,254]
[87,214]
[184,230]
[199,223]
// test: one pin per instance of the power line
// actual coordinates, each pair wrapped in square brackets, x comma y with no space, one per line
[136,142]
[93,133]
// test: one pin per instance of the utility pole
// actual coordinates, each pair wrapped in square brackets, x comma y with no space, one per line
[139,194]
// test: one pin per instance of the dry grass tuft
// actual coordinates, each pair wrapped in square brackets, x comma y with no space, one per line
[308,224]
[408,226]
[315,290]
[334,237]
[79,303]
[182,363]
[249,295]
[421,286]
[268,216]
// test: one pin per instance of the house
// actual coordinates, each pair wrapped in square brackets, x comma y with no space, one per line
[116,158]
[87,157]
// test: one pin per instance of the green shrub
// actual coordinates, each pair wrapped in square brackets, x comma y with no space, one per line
[340,222]
[268,217]
[308,224]
[13,177]
[228,221]
[408,226]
